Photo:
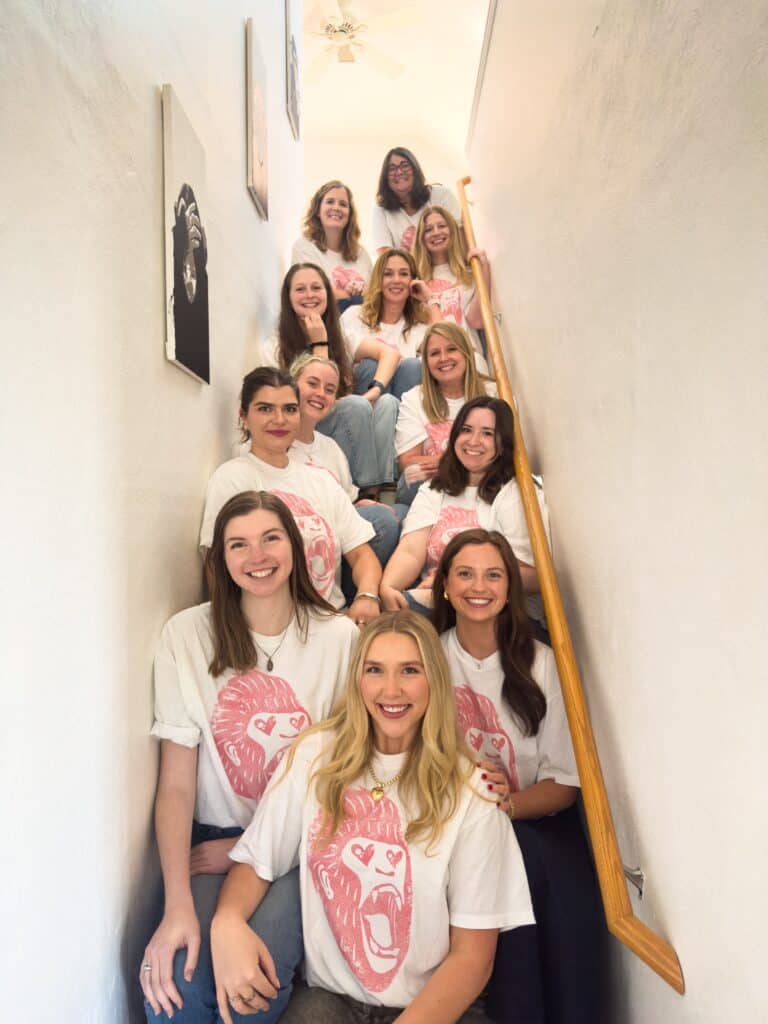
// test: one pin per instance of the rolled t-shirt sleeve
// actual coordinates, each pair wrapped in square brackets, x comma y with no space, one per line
[424,511]
[172,719]
[493,894]
[553,740]
[351,529]
[410,428]
[304,251]
[381,236]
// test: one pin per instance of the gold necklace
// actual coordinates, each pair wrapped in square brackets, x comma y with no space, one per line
[378,788]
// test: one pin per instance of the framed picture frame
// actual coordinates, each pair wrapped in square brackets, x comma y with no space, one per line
[257,176]
[292,71]
[187,338]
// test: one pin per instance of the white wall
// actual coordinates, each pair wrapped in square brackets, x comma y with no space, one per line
[107,448]
[619,165]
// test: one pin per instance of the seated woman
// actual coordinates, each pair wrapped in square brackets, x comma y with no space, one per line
[327,521]
[332,241]
[362,425]
[317,380]
[402,196]
[393,313]
[512,716]
[235,681]
[474,486]
[440,262]
[408,869]
[449,378]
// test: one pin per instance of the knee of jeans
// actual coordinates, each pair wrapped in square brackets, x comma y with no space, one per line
[355,408]
[386,406]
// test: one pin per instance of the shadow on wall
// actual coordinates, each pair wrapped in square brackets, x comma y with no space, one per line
[145,902]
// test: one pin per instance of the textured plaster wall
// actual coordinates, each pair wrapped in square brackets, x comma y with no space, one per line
[619,161]
[107,448]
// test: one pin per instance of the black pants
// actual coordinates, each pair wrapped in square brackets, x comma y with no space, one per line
[549,973]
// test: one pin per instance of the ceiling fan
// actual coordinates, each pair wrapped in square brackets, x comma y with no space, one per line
[344,37]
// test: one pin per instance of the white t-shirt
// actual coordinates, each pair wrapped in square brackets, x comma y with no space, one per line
[493,733]
[244,722]
[376,910]
[326,518]
[397,228]
[447,515]
[270,351]
[325,453]
[340,272]
[355,332]
[455,300]
[414,428]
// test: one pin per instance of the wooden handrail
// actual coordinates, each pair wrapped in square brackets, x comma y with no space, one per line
[621,920]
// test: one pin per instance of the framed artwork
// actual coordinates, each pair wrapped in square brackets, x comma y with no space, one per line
[292,93]
[256,121]
[186,249]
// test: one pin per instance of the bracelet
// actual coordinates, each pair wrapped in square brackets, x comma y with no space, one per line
[377,384]
[511,811]
[317,344]
[369,595]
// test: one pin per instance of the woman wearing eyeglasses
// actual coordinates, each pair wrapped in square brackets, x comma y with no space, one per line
[401,198]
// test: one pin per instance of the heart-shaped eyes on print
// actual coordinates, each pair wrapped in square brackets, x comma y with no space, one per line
[498,742]
[297,722]
[363,853]
[265,725]
[394,857]
[476,739]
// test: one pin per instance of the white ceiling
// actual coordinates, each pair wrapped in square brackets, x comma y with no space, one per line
[439,44]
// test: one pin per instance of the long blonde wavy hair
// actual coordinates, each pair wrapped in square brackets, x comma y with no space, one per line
[439,762]
[373,300]
[432,399]
[456,261]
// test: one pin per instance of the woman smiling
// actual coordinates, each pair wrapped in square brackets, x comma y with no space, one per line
[380,806]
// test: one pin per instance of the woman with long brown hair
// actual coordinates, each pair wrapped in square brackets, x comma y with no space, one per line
[381,807]
[331,240]
[236,680]
[510,712]
[361,424]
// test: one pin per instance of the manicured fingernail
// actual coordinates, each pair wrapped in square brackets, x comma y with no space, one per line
[490,786]
[483,776]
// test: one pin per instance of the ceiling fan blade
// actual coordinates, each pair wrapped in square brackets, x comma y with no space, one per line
[347,13]
[382,63]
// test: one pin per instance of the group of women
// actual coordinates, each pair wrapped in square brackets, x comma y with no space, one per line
[365,761]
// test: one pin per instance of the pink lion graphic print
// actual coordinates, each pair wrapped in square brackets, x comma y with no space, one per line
[450,299]
[343,276]
[407,237]
[255,719]
[363,877]
[452,520]
[483,731]
[437,437]
[319,541]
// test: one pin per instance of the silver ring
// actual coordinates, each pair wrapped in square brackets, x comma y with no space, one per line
[146,967]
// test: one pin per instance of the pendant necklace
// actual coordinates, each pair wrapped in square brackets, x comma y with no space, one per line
[378,788]
[270,656]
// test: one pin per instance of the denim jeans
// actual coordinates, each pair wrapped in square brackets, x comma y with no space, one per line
[386,522]
[317,1006]
[407,376]
[365,432]
[277,921]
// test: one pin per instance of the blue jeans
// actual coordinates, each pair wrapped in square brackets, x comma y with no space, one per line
[366,435]
[277,921]
[386,520]
[407,376]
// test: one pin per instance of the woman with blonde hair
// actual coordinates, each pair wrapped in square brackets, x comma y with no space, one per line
[382,808]
[397,308]
[331,240]
[236,680]
[440,262]
[449,378]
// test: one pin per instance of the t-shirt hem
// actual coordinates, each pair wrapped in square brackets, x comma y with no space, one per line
[561,778]
[242,857]
[504,922]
